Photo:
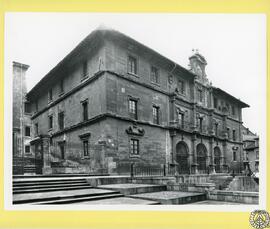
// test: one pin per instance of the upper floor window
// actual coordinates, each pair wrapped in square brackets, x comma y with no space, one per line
[85,110]
[27,107]
[215,102]
[234,156]
[200,95]
[155,111]
[257,154]
[216,128]
[50,122]
[201,124]
[181,86]
[180,118]
[50,95]
[27,131]
[234,135]
[132,65]
[228,132]
[61,120]
[61,87]
[154,75]
[233,110]
[132,106]
[36,129]
[85,69]
[134,146]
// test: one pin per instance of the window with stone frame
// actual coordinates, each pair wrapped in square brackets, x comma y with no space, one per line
[215,102]
[228,132]
[257,154]
[85,110]
[234,156]
[85,71]
[50,122]
[200,95]
[62,149]
[180,118]
[132,65]
[216,128]
[61,123]
[27,149]
[154,75]
[36,129]
[27,131]
[85,147]
[181,87]
[132,107]
[234,135]
[27,107]
[134,147]
[233,110]
[155,111]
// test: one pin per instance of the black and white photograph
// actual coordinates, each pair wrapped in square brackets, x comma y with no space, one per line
[106,110]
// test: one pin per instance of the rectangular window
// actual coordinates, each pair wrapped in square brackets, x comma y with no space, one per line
[61,87]
[27,107]
[215,102]
[85,148]
[257,154]
[228,132]
[180,119]
[27,131]
[155,111]
[36,129]
[200,95]
[134,146]
[201,124]
[246,156]
[216,129]
[181,87]
[85,70]
[154,75]
[61,120]
[132,106]
[132,65]
[233,110]
[234,135]
[234,156]
[62,150]
[85,110]
[50,122]
[50,95]
[27,149]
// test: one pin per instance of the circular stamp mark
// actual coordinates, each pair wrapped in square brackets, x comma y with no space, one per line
[259,219]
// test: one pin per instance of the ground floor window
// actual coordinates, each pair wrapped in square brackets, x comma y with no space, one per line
[134,146]
[27,149]
[62,150]
[85,148]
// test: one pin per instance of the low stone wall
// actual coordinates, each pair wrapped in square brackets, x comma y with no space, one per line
[234,196]
[243,183]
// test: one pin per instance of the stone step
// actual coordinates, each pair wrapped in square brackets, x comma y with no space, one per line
[51,189]
[130,188]
[52,184]
[172,197]
[58,195]
[120,201]
[39,181]
[78,200]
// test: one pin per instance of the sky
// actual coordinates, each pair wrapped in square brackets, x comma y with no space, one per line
[234,46]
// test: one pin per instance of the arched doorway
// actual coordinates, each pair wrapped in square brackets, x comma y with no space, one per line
[217,159]
[182,157]
[201,157]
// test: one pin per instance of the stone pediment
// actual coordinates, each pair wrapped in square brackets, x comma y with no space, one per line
[135,130]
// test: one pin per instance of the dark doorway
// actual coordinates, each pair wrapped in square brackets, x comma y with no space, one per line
[201,158]
[217,159]
[182,158]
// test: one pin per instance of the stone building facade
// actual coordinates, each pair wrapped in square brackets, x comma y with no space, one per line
[113,102]
[21,133]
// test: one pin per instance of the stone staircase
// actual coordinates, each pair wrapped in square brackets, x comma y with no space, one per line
[221,181]
[58,191]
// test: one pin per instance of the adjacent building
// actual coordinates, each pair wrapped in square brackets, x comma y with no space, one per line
[113,102]
[21,131]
